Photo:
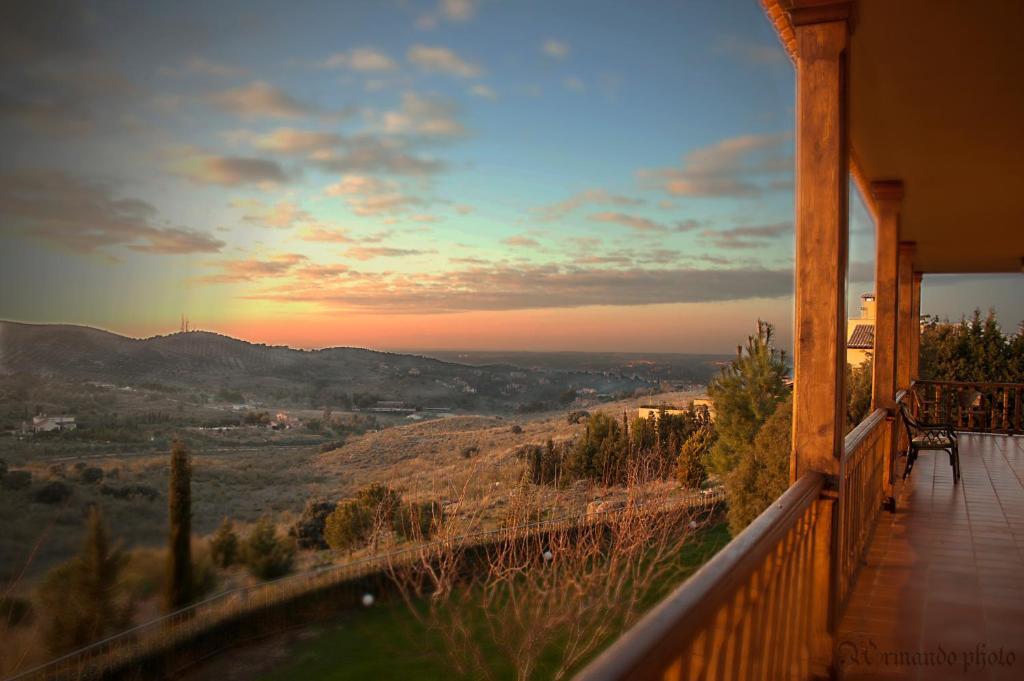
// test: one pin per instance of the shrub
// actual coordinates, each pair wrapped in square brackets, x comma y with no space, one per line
[470,451]
[266,555]
[330,446]
[574,417]
[354,521]
[224,545]
[58,470]
[3,469]
[516,429]
[348,526]
[52,493]
[690,470]
[858,393]
[600,452]
[543,463]
[17,479]
[417,520]
[128,492]
[762,472]
[204,572]
[91,475]
[380,500]
[309,529]
[84,598]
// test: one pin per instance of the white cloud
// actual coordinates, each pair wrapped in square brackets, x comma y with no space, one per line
[430,117]
[260,99]
[556,211]
[201,66]
[359,185]
[575,84]
[231,170]
[739,166]
[363,59]
[484,92]
[371,196]
[291,140]
[87,217]
[442,60]
[455,11]
[458,10]
[556,49]
[281,215]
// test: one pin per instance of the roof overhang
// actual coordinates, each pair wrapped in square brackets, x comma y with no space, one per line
[937,101]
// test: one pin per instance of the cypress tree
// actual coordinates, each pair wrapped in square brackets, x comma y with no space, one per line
[179,561]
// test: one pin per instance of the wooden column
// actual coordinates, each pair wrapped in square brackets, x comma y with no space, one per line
[915,315]
[822,166]
[822,243]
[888,197]
[905,315]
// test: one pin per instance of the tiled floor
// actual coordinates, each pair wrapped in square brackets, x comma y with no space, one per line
[941,595]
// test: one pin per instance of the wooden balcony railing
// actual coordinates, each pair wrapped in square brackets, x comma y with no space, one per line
[750,612]
[863,487]
[973,406]
[765,606]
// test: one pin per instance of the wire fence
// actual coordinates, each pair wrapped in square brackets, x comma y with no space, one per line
[174,629]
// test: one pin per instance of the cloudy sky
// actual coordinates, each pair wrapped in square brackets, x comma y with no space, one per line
[400,174]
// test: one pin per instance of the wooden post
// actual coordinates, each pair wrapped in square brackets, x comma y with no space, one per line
[905,314]
[915,330]
[819,362]
[888,196]
[822,244]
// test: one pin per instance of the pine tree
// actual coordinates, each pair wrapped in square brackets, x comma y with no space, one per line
[762,472]
[179,566]
[746,395]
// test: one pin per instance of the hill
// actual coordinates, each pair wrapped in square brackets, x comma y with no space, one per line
[236,370]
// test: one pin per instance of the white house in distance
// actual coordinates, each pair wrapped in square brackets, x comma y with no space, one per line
[860,332]
[47,424]
[648,410]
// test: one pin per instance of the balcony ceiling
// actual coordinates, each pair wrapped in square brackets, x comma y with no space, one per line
[937,100]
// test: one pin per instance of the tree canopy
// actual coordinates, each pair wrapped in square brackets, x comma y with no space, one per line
[746,394]
[974,349]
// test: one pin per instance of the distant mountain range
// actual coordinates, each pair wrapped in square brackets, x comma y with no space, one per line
[212,362]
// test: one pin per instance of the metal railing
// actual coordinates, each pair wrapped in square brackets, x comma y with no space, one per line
[175,629]
[754,611]
[973,406]
[863,487]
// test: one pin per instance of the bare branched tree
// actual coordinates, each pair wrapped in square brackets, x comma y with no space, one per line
[537,597]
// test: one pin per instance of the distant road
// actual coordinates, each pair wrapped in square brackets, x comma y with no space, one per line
[196,453]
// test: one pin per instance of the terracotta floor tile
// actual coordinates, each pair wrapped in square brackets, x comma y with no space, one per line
[947,569]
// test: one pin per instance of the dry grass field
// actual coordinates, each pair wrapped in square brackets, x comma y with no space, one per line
[246,475]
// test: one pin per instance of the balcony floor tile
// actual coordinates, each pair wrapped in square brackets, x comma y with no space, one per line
[945,573]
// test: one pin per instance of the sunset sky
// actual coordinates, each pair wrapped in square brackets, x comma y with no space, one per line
[410,175]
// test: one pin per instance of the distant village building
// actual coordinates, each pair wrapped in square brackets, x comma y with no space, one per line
[47,424]
[860,332]
[648,410]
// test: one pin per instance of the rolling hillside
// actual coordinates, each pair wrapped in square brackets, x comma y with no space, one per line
[211,362]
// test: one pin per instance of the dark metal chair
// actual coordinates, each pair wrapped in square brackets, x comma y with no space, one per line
[927,436]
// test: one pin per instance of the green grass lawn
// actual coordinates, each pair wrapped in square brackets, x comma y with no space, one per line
[385,642]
